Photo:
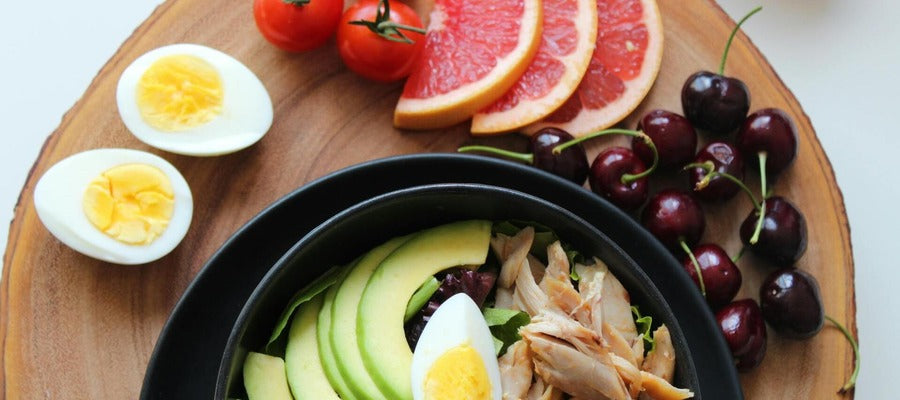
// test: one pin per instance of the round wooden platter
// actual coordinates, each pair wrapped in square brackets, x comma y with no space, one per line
[75,327]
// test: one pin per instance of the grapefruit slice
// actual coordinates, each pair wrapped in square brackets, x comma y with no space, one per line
[474,52]
[567,42]
[622,69]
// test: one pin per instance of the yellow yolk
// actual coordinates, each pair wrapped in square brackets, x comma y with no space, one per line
[131,203]
[179,92]
[458,374]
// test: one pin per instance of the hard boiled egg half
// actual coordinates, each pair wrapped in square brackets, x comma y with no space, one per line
[193,100]
[117,205]
[454,358]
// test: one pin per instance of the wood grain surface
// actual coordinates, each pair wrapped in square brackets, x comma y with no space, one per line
[76,328]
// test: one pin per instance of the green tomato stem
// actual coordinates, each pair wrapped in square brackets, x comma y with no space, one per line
[626,178]
[731,38]
[762,205]
[296,2]
[526,158]
[851,383]
[690,254]
[384,27]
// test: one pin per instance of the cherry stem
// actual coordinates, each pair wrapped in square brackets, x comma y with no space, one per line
[296,2]
[738,255]
[626,178]
[851,383]
[709,168]
[690,254]
[384,27]
[762,205]
[731,38]
[526,158]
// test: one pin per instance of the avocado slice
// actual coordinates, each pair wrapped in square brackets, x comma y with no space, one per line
[304,368]
[343,322]
[382,341]
[326,352]
[264,377]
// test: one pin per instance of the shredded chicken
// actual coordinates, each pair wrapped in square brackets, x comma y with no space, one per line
[581,341]
[574,372]
[629,373]
[528,296]
[618,345]
[661,361]
[557,284]
[504,299]
[617,305]
[657,388]
[516,371]
[590,286]
[512,250]
[537,267]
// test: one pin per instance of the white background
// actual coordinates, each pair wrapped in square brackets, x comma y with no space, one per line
[839,57]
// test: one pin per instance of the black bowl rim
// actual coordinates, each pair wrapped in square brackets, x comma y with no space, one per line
[289,260]
[702,320]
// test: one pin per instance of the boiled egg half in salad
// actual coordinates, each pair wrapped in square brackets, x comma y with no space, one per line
[454,358]
[117,205]
[193,100]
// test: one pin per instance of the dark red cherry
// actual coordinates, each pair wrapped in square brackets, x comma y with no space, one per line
[725,160]
[782,239]
[721,278]
[570,164]
[715,103]
[772,131]
[741,323]
[673,135]
[606,178]
[674,216]
[791,303]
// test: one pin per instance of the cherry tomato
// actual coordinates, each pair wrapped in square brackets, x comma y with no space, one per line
[372,55]
[297,25]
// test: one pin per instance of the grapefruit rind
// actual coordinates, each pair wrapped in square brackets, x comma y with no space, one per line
[577,62]
[588,121]
[460,104]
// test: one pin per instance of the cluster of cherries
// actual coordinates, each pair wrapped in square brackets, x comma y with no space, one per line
[774,229]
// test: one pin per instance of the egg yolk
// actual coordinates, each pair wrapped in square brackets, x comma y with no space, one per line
[132,203]
[179,92]
[458,374]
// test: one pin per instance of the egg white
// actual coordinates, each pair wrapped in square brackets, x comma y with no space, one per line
[246,107]
[456,322]
[58,201]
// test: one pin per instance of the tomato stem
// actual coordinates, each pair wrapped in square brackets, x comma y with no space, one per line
[296,2]
[384,27]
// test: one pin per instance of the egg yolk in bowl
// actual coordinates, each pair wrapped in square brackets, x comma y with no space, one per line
[458,374]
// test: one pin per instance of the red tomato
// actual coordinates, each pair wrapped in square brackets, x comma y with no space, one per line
[297,25]
[373,56]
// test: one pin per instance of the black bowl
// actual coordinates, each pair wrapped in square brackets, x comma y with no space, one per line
[186,359]
[362,227]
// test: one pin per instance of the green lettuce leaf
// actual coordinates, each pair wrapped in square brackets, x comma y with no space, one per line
[275,346]
[644,325]
[504,325]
